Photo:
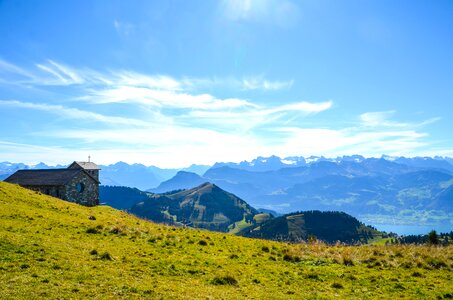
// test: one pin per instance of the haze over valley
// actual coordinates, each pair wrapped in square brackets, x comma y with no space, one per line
[397,194]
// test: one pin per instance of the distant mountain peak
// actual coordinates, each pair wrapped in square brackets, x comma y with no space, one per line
[186,173]
[182,180]
[207,185]
[204,206]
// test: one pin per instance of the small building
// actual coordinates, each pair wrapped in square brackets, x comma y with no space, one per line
[79,183]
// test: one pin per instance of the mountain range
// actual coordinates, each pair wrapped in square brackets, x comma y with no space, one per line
[386,190]
[209,207]
[149,177]
[118,174]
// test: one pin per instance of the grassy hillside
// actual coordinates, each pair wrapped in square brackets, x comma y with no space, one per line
[54,249]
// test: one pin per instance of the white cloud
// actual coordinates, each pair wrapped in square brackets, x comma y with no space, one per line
[303,107]
[263,84]
[331,142]
[245,120]
[73,113]
[375,119]
[161,98]
[167,121]
[63,75]
[159,82]
[382,119]
[52,73]
[6,67]
[167,146]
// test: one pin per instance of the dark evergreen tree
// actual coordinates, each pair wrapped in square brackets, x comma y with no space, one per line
[433,239]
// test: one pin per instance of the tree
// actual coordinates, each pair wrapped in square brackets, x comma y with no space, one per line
[312,239]
[433,239]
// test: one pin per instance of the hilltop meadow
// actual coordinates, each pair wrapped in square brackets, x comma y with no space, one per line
[50,248]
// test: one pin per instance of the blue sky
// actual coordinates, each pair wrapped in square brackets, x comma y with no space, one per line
[171,83]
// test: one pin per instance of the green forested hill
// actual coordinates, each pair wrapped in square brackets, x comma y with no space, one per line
[205,206]
[326,226]
[51,249]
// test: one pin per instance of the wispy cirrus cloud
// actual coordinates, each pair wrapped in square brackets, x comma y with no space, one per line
[176,121]
[6,67]
[381,119]
[260,116]
[347,141]
[51,73]
[374,134]
[264,84]
[64,75]
[73,113]
[161,98]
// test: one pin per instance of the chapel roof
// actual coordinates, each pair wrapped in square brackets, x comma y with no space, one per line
[87,165]
[43,177]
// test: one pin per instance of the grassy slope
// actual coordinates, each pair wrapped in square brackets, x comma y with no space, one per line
[45,252]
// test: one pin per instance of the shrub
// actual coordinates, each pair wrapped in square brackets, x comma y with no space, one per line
[337,285]
[417,274]
[116,230]
[436,263]
[92,230]
[313,276]
[224,280]
[406,265]
[202,243]
[399,286]
[265,249]
[291,258]
[24,266]
[398,254]
[347,261]
[106,256]
[94,252]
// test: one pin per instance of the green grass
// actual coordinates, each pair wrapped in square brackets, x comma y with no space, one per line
[380,240]
[239,226]
[54,249]
[260,218]
[243,224]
